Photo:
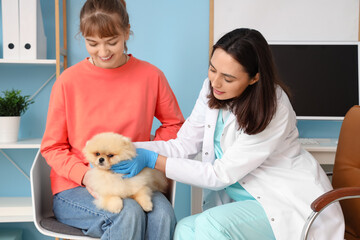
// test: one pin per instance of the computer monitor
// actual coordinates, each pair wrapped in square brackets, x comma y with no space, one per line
[323,77]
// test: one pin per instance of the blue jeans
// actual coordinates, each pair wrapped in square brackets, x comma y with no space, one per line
[75,207]
[242,220]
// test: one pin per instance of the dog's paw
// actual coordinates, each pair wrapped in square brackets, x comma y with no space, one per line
[147,206]
[112,204]
[143,198]
[145,202]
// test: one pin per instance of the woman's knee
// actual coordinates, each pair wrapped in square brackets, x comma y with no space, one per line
[185,229]
[131,212]
[204,221]
[162,209]
[130,223]
[207,226]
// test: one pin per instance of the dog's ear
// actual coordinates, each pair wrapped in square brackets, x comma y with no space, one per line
[128,149]
[129,154]
[84,150]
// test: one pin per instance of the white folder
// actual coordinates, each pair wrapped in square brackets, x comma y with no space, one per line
[32,36]
[10,21]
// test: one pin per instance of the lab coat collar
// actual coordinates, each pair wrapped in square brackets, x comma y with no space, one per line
[213,114]
[230,119]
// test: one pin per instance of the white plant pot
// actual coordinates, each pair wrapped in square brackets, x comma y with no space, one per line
[9,129]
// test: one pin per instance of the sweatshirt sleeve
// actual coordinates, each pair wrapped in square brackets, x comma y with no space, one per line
[188,142]
[55,146]
[167,111]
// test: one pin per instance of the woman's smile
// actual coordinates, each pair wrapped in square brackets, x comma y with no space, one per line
[217,92]
[107,52]
[105,58]
[227,74]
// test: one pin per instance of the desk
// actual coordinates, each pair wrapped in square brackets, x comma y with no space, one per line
[324,155]
[324,152]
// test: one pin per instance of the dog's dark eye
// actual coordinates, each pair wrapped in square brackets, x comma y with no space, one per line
[110,155]
[97,154]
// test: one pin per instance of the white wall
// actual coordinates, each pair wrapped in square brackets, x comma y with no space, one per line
[290,20]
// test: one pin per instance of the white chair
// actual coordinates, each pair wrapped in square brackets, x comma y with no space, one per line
[42,200]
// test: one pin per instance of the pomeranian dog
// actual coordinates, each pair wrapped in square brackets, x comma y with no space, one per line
[106,149]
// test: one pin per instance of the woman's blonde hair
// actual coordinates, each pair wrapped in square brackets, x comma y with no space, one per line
[104,18]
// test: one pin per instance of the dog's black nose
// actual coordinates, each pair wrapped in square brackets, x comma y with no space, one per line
[101,160]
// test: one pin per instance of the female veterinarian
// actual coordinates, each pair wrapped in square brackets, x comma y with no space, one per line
[109,91]
[258,182]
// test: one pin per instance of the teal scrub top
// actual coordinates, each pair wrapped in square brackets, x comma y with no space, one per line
[235,191]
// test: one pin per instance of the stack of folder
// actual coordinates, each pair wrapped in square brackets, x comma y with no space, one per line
[23,30]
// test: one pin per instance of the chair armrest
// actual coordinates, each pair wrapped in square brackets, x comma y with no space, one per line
[334,195]
[325,200]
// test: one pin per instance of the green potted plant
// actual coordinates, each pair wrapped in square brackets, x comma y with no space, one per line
[12,106]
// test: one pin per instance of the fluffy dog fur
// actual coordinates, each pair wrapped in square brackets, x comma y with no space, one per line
[106,149]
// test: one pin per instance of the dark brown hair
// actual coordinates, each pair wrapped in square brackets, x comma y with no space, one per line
[256,106]
[105,18]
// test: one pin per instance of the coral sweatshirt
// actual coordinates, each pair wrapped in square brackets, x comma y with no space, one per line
[86,100]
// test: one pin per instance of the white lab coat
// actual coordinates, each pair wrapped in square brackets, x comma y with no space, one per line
[270,165]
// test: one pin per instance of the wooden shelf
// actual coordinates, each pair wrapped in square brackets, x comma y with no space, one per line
[22,143]
[37,61]
[16,209]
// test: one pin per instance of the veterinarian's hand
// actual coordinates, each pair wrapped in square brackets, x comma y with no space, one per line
[144,158]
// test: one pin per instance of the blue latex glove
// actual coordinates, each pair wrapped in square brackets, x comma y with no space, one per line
[144,158]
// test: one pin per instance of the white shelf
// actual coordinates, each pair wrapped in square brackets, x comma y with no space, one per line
[22,143]
[16,209]
[37,61]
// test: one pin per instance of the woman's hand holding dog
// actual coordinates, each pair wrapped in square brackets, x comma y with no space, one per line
[84,182]
[144,158]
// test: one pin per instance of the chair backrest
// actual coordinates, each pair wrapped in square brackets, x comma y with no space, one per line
[41,189]
[42,200]
[346,171]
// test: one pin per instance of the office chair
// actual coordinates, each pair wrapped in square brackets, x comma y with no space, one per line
[42,200]
[345,180]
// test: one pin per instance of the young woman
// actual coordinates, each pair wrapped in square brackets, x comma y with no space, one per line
[258,182]
[109,91]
